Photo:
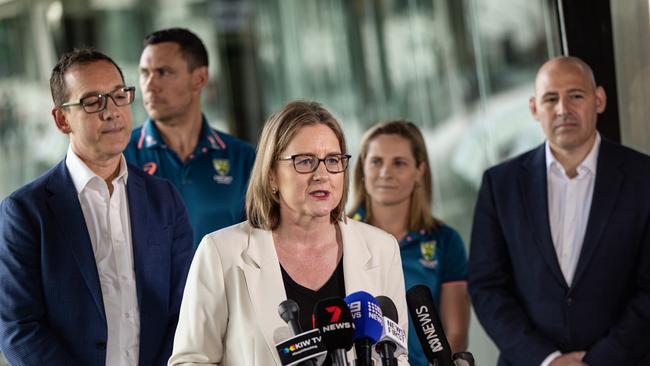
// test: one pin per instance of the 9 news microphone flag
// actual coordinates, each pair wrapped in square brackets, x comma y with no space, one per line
[368,325]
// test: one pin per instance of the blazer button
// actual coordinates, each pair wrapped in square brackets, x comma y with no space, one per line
[569,300]
[100,345]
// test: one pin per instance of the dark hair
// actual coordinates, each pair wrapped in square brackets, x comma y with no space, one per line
[82,56]
[192,48]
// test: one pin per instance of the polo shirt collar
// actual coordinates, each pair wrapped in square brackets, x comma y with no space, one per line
[209,138]
[149,135]
[411,236]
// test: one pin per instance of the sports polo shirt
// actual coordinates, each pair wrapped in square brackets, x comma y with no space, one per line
[434,257]
[212,181]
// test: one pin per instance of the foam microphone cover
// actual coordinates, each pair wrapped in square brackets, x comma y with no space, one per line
[289,311]
[366,315]
[428,326]
[334,320]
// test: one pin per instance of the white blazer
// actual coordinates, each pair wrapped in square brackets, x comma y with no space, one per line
[234,286]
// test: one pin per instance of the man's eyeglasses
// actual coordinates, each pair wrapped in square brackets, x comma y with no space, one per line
[308,163]
[97,102]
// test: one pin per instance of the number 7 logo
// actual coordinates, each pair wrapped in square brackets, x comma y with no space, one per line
[335,311]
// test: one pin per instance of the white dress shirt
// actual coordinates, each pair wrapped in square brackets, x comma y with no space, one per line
[109,228]
[569,204]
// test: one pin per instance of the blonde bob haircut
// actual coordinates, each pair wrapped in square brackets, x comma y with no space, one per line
[420,216]
[262,204]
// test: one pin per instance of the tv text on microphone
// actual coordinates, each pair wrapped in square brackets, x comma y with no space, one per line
[303,348]
[306,346]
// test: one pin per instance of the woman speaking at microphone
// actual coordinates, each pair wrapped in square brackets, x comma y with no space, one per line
[296,244]
[392,190]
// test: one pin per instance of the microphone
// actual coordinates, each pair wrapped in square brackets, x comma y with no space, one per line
[289,311]
[392,342]
[368,324]
[334,320]
[428,326]
[463,359]
[297,347]
[304,349]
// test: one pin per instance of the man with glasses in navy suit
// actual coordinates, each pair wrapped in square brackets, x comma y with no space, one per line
[94,253]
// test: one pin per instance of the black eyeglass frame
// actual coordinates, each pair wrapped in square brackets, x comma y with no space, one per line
[104,99]
[345,159]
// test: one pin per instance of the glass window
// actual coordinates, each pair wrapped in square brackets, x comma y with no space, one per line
[461,70]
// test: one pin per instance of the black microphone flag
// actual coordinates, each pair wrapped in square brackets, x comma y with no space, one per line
[428,326]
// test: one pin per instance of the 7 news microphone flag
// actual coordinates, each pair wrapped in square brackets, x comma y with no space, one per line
[334,320]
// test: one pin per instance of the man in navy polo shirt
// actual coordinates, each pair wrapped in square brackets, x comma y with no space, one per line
[209,168]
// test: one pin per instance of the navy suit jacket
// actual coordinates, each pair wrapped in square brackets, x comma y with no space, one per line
[519,293]
[51,307]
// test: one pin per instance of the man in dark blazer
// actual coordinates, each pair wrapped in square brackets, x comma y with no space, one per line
[93,254]
[559,269]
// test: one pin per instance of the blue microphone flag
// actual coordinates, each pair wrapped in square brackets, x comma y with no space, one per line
[366,314]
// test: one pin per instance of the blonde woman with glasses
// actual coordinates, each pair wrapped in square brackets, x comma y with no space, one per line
[296,244]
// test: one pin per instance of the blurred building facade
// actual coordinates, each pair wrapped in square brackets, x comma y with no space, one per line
[461,70]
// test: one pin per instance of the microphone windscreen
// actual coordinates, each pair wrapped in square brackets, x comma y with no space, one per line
[366,315]
[388,308]
[427,325]
[289,311]
[334,320]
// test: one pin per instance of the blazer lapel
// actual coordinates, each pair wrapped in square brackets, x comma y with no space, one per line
[607,187]
[264,282]
[138,209]
[66,209]
[148,280]
[533,187]
[359,270]
[264,279]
